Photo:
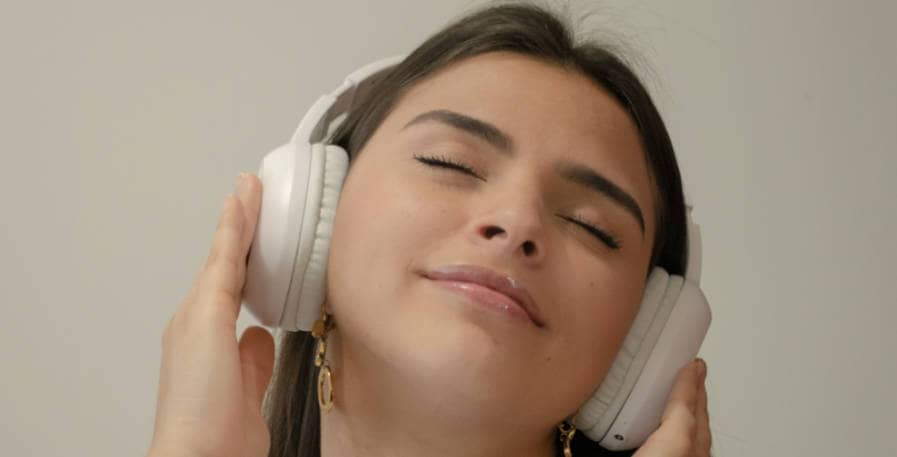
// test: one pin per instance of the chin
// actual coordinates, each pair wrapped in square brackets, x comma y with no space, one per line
[457,361]
[440,342]
[427,337]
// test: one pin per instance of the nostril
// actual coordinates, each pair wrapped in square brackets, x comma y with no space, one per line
[492,231]
[529,248]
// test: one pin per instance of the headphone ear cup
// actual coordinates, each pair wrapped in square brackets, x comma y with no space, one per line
[307,291]
[284,174]
[595,417]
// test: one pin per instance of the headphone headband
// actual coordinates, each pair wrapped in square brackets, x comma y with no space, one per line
[318,121]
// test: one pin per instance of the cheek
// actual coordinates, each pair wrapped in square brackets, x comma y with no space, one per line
[359,242]
[599,333]
[599,314]
[382,224]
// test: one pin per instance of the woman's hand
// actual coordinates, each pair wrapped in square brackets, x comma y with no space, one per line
[210,385]
[684,427]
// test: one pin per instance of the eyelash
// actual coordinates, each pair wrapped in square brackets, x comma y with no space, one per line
[444,162]
[606,238]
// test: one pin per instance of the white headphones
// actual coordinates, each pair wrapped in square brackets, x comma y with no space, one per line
[286,274]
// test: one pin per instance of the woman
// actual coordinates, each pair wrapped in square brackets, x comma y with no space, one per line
[454,162]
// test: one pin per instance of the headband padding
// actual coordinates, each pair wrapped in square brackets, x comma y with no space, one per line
[328,171]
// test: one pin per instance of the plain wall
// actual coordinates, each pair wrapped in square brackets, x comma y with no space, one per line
[125,123]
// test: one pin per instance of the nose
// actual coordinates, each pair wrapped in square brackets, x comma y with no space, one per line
[512,227]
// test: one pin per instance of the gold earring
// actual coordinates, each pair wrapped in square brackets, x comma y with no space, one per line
[325,376]
[567,430]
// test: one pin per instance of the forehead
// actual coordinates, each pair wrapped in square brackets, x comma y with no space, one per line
[548,111]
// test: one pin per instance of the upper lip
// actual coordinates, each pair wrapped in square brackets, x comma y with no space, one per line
[503,283]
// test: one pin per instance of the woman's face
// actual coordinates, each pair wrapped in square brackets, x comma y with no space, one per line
[401,215]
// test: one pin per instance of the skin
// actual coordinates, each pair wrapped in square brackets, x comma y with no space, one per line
[418,369]
[437,366]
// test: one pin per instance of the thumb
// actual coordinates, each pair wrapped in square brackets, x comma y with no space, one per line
[257,363]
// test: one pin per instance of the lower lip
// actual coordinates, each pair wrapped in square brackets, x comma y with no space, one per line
[493,300]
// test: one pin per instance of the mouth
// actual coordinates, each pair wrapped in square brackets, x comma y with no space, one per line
[499,291]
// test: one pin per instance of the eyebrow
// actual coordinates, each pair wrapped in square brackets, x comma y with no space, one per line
[503,143]
[481,129]
[585,176]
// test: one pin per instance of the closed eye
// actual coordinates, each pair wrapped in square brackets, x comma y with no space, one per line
[445,162]
[605,237]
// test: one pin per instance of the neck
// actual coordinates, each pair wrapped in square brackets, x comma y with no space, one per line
[383,412]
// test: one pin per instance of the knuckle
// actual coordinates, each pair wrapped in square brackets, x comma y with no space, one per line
[689,424]
[225,266]
[221,298]
[219,277]
[681,412]
[211,304]
[211,316]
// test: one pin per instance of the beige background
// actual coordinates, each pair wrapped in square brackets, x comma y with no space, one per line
[124,124]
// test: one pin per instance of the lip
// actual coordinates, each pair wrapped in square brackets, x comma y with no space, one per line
[504,284]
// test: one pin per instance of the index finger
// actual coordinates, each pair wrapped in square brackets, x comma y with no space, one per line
[678,425]
[679,415]
[220,282]
[685,389]
[250,194]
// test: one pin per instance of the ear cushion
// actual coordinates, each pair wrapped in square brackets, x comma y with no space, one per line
[597,414]
[329,165]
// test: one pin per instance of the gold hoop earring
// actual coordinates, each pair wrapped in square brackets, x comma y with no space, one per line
[325,375]
[567,430]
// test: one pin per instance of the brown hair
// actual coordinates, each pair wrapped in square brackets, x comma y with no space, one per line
[291,405]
